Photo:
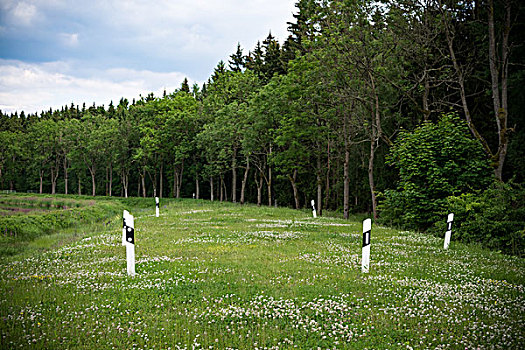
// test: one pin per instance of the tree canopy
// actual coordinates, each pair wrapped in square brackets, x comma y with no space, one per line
[401,101]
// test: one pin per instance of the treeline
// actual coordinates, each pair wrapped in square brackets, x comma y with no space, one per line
[313,118]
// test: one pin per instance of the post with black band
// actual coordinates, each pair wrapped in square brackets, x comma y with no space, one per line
[449,230]
[365,258]
[157,206]
[128,239]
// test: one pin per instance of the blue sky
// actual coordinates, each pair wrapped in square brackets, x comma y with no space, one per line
[55,52]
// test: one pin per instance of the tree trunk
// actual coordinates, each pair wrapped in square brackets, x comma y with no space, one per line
[178,176]
[211,187]
[93,185]
[143,181]
[92,171]
[269,183]
[175,179]
[54,177]
[124,179]
[292,179]
[245,178]
[346,165]
[327,184]
[161,189]
[197,187]
[259,183]
[426,93]
[153,182]
[41,180]
[66,175]
[319,187]
[222,193]
[79,186]
[225,190]
[499,75]
[217,190]
[462,93]
[371,173]
[110,179]
[107,180]
[176,183]
[234,176]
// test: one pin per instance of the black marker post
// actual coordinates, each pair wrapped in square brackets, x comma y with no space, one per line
[157,207]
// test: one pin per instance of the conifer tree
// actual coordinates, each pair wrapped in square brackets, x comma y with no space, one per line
[255,60]
[272,58]
[185,87]
[219,70]
[237,60]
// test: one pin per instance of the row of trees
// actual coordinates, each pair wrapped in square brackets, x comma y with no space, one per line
[314,117]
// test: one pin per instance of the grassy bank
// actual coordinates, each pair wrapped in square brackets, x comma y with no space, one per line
[28,220]
[219,276]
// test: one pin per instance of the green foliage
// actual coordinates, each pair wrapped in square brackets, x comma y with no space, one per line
[435,161]
[494,218]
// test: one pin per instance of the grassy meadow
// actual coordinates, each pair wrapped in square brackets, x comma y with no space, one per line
[225,276]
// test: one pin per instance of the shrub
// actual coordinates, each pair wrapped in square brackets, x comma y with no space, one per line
[435,161]
[494,218]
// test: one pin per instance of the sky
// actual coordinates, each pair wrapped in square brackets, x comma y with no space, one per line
[57,52]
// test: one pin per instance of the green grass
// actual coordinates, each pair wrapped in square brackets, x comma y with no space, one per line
[212,275]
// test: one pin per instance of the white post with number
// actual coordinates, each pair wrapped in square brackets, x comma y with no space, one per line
[449,230]
[365,257]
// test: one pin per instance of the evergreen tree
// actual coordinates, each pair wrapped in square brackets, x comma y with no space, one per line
[185,87]
[272,58]
[237,60]
[219,70]
[255,60]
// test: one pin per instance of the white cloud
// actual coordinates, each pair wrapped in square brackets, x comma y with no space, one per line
[68,39]
[36,87]
[22,13]
[81,44]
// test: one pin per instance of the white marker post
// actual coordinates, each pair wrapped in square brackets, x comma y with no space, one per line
[194,196]
[449,230]
[313,209]
[157,206]
[365,258]
[129,242]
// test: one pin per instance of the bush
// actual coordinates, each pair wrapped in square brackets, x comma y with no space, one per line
[494,218]
[435,161]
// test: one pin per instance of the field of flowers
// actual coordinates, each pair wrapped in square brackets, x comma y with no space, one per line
[224,276]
